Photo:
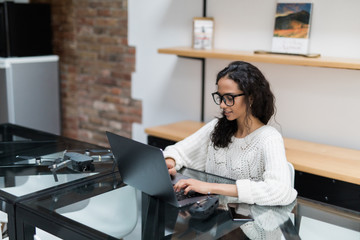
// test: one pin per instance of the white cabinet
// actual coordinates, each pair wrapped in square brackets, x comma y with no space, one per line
[29,92]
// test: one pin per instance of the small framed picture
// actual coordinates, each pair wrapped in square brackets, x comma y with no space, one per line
[292,28]
[203,33]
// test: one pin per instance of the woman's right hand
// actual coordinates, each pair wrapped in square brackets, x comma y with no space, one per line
[170,163]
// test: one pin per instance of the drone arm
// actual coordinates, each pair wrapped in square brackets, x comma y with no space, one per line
[57,166]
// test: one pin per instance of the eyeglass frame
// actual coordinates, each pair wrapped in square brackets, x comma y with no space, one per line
[223,99]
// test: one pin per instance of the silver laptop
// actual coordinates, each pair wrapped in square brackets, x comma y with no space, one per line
[143,167]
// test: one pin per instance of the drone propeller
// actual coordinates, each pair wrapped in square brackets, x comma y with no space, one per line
[26,157]
[33,157]
[37,160]
[100,150]
[77,157]
[89,151]
[103,157]
[95,153]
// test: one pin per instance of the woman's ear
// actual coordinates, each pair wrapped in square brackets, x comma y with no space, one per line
[251,99]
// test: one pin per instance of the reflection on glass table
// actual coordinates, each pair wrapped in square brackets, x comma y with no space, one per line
[262,222]
[25,185]
[104,208]
[266,223]
[95,213]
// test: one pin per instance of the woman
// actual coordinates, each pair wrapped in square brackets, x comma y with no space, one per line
[239,145]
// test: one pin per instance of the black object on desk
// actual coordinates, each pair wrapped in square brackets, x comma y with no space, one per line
[204,208]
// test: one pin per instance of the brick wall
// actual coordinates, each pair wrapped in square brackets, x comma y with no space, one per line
[90,37]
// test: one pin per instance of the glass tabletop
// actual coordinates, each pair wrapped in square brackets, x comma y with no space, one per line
[94,209]
[32,161]
[108,209]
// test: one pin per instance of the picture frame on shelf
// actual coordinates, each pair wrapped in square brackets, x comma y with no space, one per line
[292,28]
[203,33]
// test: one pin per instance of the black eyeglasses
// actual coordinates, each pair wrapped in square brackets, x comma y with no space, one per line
[227,98]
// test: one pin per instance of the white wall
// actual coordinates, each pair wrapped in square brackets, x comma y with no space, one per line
[314,104]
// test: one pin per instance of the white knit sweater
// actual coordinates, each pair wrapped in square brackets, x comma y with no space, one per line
[257,162]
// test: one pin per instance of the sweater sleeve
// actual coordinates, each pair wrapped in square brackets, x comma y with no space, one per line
[192,151]
[275,189]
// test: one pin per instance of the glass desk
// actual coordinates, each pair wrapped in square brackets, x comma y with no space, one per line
[105,208]
[25,158]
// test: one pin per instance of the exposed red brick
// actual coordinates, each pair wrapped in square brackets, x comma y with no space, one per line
[90,37]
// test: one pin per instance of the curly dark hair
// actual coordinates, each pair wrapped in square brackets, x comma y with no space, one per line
[259,100]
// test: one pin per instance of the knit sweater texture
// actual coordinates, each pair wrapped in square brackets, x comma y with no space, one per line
[257,162]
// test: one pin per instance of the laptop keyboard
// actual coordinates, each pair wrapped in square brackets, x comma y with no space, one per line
[181,195]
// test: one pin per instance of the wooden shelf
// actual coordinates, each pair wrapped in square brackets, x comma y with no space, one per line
[174,131]
[324,160]
[319,159]
[329,62]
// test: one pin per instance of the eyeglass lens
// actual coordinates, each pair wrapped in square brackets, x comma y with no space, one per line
[228,99]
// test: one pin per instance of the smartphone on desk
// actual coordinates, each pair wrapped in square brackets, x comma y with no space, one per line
[239,212]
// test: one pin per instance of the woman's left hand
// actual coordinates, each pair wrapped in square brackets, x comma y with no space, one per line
[193,185]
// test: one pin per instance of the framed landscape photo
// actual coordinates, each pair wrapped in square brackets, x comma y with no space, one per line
[292,28]
[203,33]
